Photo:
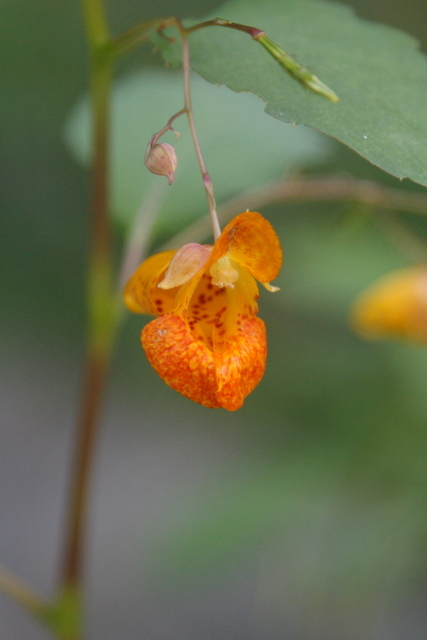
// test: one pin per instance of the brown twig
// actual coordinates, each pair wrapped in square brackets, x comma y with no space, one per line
[303,189]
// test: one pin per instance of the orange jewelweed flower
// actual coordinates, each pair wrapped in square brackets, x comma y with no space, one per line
[207,342]
[395,306]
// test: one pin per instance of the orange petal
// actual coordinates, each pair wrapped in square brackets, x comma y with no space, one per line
[142,295]
[212,379]
[250,240]
[395,306]
[184,363]
[241,365]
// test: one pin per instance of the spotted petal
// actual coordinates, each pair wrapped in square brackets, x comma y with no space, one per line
[212,379]
[183,362]
[142,295]
[250,240]
[241,365]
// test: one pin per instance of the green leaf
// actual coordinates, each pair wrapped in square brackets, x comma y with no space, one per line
[243,147]
[377,72]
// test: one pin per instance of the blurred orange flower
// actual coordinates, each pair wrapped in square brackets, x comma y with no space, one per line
[207,342]
[394,306]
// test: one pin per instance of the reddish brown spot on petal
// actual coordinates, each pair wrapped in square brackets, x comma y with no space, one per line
[183,362]
[241,365]
[210,377]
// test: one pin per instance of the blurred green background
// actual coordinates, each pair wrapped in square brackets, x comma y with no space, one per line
[300,517]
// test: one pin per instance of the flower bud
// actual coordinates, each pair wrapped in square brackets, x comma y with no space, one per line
[161,160]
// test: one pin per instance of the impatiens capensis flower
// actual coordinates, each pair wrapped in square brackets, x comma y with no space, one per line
[207,342]
[161,160]
[395,306]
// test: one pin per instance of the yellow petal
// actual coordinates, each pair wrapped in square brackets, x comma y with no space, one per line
[395,306]
[270,287]
[215,313]
[142,294]
[250,240]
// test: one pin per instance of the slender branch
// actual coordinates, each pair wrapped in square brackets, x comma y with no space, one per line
[139,34]
[21,593]
[404,239]
[220,22]
[301,189]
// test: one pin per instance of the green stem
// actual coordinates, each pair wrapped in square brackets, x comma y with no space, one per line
[101,324]
[96,23]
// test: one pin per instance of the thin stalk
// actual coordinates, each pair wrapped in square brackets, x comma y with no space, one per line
[220,22]
[17,589]
[207,182]
[168,127]
[137,35]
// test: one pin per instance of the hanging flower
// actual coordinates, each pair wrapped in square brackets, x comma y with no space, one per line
[207,342]
[395,306]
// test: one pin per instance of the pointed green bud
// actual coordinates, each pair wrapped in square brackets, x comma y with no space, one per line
[298,72]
